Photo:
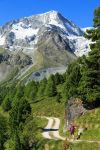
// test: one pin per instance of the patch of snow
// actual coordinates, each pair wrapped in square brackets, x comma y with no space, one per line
[51,14]
[81,45]
[2,40]
[21,32]
[54,22]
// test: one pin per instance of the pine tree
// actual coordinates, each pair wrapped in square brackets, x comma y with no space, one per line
[6,105]
[41,88]
[72,79]
[31,90]
[57,79]
[97,17]
[51,87]
[3,131]
[20,111]
[19,92]
[90,82]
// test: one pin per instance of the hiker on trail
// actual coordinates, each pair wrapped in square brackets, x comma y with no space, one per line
[72,130]
[80,131]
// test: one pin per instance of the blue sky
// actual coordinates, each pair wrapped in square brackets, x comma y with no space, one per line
[79,11]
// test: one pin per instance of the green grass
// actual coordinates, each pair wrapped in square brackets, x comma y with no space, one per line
[91,120]
[84,146]
[45,144]
[5,114]
[41,122]
[48,106]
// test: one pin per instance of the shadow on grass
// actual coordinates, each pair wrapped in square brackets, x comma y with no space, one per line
[47,130]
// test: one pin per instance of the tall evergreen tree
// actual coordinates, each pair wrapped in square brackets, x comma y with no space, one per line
[3,131]
[51,87]
[72,80]
[41,88]
[6,105]
[19,113]
[90,82]
[19,92]
[58,78]
[31,90]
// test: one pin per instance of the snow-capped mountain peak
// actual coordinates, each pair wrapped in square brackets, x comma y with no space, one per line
[41,41]
[26,31]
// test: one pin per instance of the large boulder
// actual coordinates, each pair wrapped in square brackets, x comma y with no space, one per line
[74,109]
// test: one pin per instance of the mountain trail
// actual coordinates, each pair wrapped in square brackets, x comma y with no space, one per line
[51,131]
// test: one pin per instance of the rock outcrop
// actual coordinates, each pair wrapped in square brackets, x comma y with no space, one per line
[74,109]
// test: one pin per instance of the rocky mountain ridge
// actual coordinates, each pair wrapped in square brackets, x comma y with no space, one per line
[26,32]
[49,40]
